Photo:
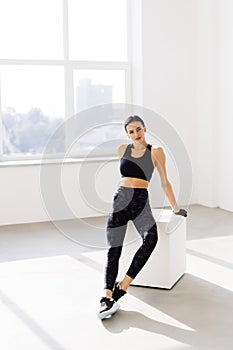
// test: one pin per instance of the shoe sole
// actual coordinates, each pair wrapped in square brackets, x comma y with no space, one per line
[108,313]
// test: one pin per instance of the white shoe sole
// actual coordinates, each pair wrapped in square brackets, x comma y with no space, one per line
[108,313]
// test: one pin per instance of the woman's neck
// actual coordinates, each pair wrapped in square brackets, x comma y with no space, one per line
[140,146]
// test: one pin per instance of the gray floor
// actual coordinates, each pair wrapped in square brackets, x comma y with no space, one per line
[50,287]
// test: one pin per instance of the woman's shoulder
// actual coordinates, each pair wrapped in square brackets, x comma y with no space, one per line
[156,148]
[157,152]
[122,149]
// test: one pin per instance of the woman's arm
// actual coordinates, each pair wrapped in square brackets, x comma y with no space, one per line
[159,159]
[121,150]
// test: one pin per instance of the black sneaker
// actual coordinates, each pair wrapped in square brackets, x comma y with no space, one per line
[108,307]
[118,292]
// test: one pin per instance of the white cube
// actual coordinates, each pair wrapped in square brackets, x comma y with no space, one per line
[167,263]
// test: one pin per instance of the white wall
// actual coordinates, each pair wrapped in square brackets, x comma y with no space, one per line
[26,196]
[225,105]
[20,195]
[206,145]
[214,103]
[169,69]
[135,50]
[187,77]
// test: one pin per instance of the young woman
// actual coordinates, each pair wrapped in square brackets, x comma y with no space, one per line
[131,202]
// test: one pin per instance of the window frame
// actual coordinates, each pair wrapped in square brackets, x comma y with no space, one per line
[69,67]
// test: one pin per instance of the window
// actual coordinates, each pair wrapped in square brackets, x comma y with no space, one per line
[99,28]
[58,58]
[32,107]
[31,29]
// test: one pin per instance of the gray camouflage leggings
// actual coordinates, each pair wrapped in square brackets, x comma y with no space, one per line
[129,204]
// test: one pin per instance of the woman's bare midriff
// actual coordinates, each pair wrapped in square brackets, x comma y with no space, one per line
[133,182]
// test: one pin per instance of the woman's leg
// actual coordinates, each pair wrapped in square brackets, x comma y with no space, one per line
[140,258]
[111,270]
[125,283]
[116,229]
[147,228]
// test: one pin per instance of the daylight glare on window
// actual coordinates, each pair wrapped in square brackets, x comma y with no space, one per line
[97,30]
[57,58]
[31,29]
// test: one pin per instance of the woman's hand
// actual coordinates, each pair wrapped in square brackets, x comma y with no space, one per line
[182,212]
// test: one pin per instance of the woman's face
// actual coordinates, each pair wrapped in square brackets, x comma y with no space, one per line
[136,131]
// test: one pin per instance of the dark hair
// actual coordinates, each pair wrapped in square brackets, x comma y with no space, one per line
[133,118]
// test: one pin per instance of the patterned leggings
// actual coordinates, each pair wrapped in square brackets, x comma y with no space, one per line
[129,204]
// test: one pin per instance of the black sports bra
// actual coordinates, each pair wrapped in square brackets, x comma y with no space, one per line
[140,168]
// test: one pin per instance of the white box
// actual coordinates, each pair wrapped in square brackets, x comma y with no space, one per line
[167,263]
